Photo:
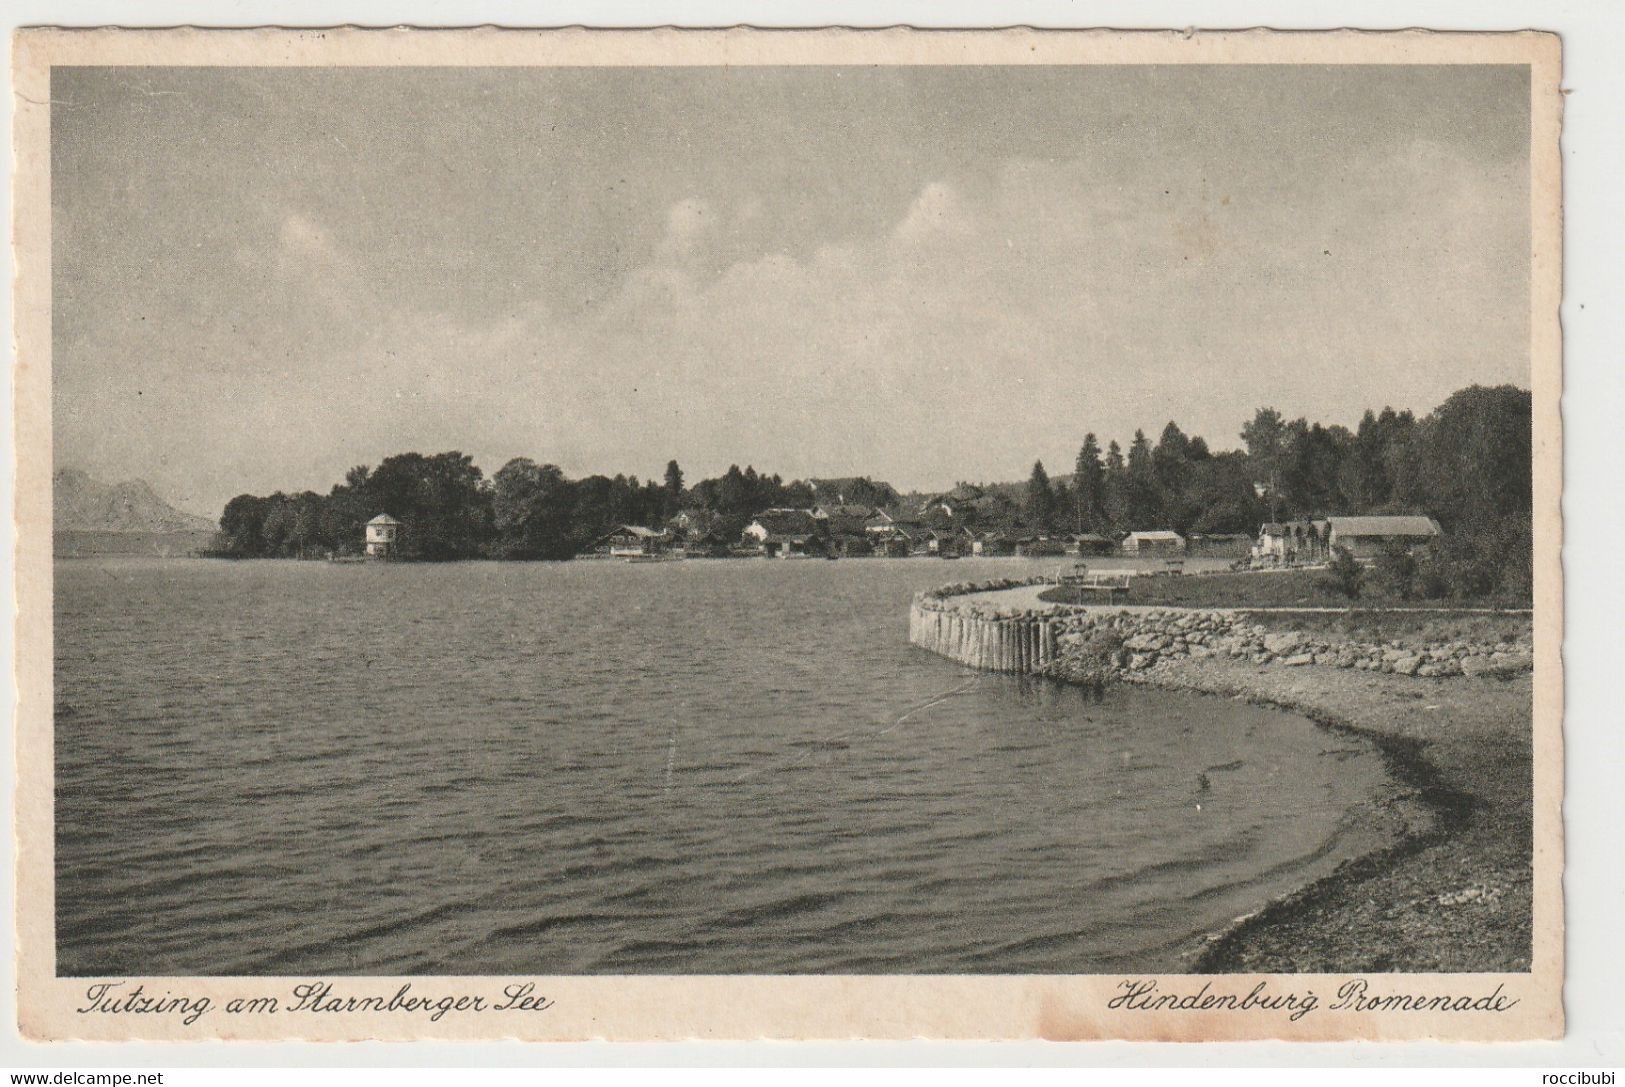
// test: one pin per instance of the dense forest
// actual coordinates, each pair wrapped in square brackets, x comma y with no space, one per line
[1467,464]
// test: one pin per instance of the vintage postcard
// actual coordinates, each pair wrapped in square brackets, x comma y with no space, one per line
[822,534]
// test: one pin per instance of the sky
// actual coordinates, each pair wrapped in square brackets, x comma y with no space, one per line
[262,277]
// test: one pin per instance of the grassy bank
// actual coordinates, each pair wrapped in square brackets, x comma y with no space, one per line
[1271,589]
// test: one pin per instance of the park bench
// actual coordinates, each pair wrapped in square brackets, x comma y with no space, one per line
[1110,585]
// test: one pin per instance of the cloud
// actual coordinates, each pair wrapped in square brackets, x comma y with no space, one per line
[308,266]
[306,249]
[1050,304]
[993,319]
[937,212]
[687,221]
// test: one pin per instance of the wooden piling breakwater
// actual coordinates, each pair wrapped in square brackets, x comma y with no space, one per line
[996,640]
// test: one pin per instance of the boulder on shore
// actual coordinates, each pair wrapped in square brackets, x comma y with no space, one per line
[1284,643]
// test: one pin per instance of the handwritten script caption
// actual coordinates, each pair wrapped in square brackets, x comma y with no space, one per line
[313,998]
[1353,995]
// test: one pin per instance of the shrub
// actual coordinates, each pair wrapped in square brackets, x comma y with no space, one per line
[1343,574]
[1514,544]
[1430,582]
[1494,558]
[1396,571]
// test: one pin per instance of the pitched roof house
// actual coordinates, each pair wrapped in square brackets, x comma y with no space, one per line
[1368,536]
[630,540]
[781,522]
[1282,540]
[1154,542]
[823,513]
[381,533]
[955,502]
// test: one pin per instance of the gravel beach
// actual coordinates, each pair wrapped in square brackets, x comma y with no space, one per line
[1452,896]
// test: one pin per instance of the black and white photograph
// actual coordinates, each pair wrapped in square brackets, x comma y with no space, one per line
[813,519]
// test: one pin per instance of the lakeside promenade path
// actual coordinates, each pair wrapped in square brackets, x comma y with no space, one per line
[1026,598]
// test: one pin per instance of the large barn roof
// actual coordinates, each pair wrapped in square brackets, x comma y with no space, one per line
[786,522]
[1385,525]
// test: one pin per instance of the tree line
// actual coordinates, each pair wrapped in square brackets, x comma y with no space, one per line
[1467,464]
[526,510]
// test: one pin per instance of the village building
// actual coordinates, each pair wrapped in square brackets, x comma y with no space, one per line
[894,538]
[1290,541]
[629,541]
[843,512]
[781,522]
[691,521]
[882,527]
[992,544]
[1154,542]
[1218,545]
[1369,536]
[947,541]
[849,544]
[1088,543]
[879,523]
[845,520]
[784,533]
[796,546]
[710,544]
[956,503]
[383,536]
[893,547]
[1040,547]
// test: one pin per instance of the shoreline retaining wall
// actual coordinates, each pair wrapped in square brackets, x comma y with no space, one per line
[983,637]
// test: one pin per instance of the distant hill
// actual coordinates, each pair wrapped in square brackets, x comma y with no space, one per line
[82,504]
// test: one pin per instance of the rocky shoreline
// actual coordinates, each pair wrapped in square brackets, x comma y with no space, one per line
[1159,636]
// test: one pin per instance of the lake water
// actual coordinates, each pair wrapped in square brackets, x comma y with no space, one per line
[704,767]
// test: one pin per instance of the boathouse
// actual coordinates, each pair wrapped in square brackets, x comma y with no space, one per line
[1155,542]
[383,535]
[628,541]
[1368,537]
[799,545]
[1088,543]
[993,543]
[769,530]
